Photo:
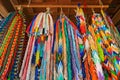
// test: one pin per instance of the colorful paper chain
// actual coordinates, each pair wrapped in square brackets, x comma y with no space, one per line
[60,52]
[9,45]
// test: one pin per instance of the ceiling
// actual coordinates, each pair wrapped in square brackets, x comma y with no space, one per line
[55,12]
[64,1]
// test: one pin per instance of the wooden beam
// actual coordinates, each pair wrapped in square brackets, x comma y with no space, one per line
[116,17]
[61,6]
[13,3]
[36,0]
[3,10]
[64,1]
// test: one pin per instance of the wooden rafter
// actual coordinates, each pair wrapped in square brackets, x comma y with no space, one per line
[116,17]
[3,10]
[64,1]
[61,6]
